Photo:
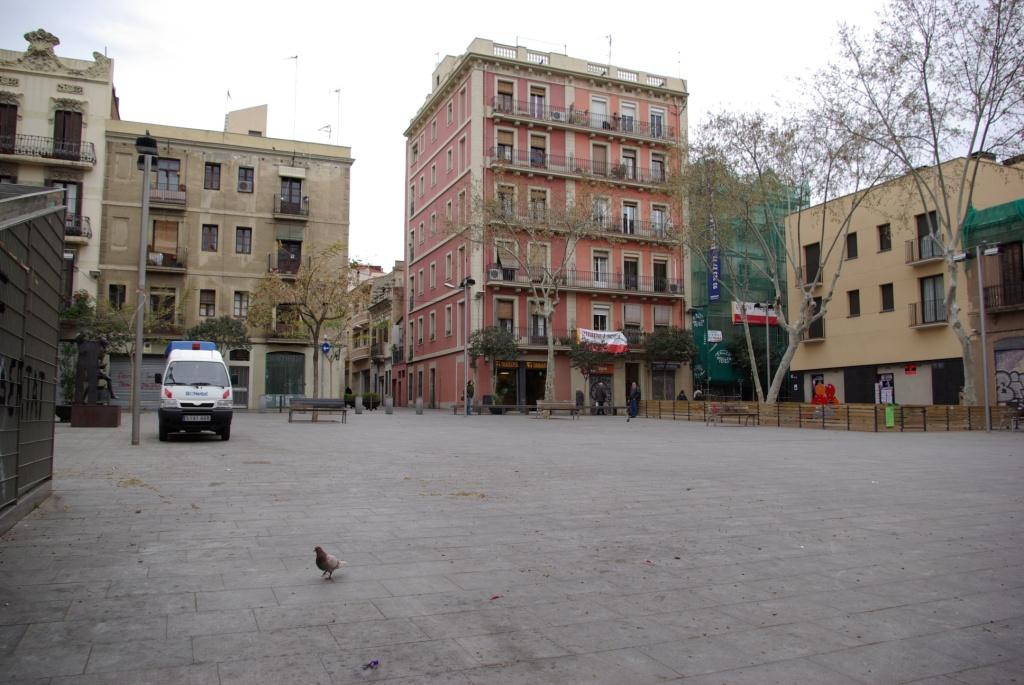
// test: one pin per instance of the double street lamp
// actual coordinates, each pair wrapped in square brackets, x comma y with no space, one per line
[465,284]
[147,149]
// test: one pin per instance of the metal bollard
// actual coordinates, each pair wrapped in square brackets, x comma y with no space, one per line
[359,404]
[388,405]
[419,405]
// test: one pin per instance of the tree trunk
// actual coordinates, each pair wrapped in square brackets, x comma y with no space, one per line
[963,337]
[316,362]
[549,372]
[783,367]
[753,360]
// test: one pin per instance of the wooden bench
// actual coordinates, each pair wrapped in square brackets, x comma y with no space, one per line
[315,405]
[545,408]
[718,413]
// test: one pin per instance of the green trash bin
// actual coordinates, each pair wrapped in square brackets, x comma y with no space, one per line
[890,416]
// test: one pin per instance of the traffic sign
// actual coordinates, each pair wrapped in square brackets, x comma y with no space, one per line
[325,347]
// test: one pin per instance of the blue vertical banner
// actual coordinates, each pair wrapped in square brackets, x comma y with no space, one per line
[714,270]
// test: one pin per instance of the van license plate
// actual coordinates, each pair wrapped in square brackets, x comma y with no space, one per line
[199,418]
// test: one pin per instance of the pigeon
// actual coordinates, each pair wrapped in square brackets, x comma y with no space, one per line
[327,562]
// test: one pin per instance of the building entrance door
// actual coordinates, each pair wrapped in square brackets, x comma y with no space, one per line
[433,398]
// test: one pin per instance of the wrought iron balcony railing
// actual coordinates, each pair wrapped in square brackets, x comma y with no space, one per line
[543,162]
[166,260]
[167,194]
[920,250]
[590,280]
[631,126]
[927,313]
[288,208]
[397,354]
[1005,296]
[659,229]
[49,148]
[284,263]
[77,226]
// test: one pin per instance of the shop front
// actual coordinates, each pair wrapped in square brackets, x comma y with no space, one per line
[519,382]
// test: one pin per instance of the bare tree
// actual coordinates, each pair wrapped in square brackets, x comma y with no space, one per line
[534,244]
[742,166]
[316,304]
[940,79]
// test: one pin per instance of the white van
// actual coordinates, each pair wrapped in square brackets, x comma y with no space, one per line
[195,390]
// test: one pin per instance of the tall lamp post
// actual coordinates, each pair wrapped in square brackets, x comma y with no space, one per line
[147,149]
[465,284]
[988,251]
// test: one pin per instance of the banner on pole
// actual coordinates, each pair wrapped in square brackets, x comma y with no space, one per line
[715,270]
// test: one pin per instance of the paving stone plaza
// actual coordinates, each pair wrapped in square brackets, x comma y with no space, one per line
[508,549]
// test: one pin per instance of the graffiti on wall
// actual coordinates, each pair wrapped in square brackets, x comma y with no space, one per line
[1010,376]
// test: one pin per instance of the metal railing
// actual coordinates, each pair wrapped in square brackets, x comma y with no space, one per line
[927,313]
[77,226]
[289,208]
[536,335]
[579,166]
[283,330]
[641,228]
[284,263]
[1004,295]
[590,280]
[397,354]
[50,148]
[922,250]
[166,194]
[504,104]
[166,260]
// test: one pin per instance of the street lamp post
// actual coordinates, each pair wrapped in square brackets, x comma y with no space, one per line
[465,285]
[147,149]
[978,253]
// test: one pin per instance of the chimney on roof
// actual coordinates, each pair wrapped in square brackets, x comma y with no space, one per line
[1013,161]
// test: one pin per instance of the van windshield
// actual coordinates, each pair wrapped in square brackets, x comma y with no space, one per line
[196,373]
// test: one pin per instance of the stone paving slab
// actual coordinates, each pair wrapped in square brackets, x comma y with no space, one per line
[503,549]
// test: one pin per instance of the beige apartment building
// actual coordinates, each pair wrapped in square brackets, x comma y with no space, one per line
[53,114]
[885,336]
[226,210]
[375,333]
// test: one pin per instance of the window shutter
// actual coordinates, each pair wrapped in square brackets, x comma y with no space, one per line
[632,313]
[662,315]
[506,310]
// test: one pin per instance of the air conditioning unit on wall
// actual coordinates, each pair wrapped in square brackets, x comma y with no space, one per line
[673,287]
[494,274]
[557,116]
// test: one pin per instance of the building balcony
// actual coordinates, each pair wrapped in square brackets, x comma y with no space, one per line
[53,151]
[168,262]
[285,264]
[927,314]
[77,228]
[360,351]
[285,209]
[618,283]
[1004,297]
[542,163]
[815,334]
[504,107]
[397,354]
[923,251]
[168,196]
[285,331]
[600,226]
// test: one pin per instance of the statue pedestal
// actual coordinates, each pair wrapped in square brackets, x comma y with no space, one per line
[95,416]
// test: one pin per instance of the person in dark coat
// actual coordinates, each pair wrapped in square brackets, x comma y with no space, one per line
[600,397]
[681,396]
[634,401]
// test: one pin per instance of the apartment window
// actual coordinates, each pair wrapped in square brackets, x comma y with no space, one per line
[507,200]
[8,127]
[448,160]
[165,239]
[817,329]
[67,135]
[602,211]
[433,175]
[422,234]
[627,119]
[167,174]
[72,199]
[657,122]
[243,240]
[631,273]
[628,168]
[421,185]
[505,98]
[537,102]
[657,166]
[599,159]
[538,329]
[853,300]
[419,281]
[659,220]
[600,260]
[433,223]
[506,145]
[884,238]
[433,275]
[933,299]
[448,321]
[602,317]
[460,266]
[660,273]
[433,326]
[927,229]
[207,303]
[851,245]
[537,259]
[463,215]
[211,176]
[241,304]
[662,316]
[505,312]
[210,232]
[414,152]
[246,179]
[412,199]
[812,265]
[448,267]
[291,196]
[162,303]
[538,204]
[462,153]
[462,104]
[632,314]
[629,215]
[419,330]
[888,302]
[116,294]
[448,211]
[538,151]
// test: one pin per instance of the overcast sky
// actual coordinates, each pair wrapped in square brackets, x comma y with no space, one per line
[175,62]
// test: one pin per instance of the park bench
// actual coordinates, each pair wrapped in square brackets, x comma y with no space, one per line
[720,412]
[545,408]
[315,405]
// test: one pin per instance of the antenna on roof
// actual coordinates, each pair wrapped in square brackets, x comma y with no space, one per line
[609,37]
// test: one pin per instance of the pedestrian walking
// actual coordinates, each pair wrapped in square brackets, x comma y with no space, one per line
[470,391]
[600,397]
[634,401]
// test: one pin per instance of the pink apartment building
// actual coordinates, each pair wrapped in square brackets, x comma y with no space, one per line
[536,130]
